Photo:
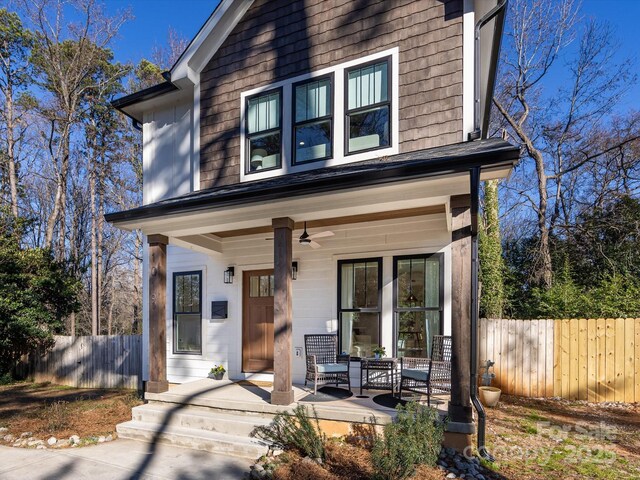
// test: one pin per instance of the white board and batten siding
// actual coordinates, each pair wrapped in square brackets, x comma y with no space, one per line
[314,292]
[170,169]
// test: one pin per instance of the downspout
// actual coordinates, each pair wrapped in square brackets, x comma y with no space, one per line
[477,131]
[474,175]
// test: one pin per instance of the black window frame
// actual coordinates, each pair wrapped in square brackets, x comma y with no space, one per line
[295,124]
[388,103]
[377,310]
[248,136]
[396,309]
[175,312]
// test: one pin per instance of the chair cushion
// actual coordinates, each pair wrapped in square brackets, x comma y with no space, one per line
[333,368]
[415,374]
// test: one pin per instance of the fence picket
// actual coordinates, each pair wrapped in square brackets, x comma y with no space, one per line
[105,361]
[587,359]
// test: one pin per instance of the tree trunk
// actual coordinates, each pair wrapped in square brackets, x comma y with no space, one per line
[13,173]
[94,253]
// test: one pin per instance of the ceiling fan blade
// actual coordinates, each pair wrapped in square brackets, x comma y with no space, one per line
[314,245]
[269,238]
[322,234]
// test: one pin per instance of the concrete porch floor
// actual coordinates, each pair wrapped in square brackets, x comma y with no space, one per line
[254,398]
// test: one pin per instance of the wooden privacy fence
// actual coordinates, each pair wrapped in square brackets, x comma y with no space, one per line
[103,361]
[597,360]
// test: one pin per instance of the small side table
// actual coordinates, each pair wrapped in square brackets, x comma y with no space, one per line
[372,376]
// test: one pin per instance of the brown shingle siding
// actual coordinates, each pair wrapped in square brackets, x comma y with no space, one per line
[279,39]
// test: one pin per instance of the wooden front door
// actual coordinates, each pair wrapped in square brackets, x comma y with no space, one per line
[257,321]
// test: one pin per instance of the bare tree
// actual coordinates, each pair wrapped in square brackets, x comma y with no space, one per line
[67,56]
[556,126]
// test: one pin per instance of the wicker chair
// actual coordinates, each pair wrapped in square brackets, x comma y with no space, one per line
[324,364]
[428,376]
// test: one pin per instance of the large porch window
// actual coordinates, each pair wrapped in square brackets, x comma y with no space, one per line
[418,303]
[359,305]
[187,312]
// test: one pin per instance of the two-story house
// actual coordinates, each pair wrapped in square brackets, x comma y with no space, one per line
[313,166]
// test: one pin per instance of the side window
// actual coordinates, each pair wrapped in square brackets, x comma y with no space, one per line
[313,119]
[418,303]
[263,131]
[368,110]
[359,305]
[187,312]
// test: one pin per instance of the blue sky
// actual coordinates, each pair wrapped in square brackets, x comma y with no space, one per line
[154,17]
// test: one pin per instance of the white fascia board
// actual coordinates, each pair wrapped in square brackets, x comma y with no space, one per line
[187,69]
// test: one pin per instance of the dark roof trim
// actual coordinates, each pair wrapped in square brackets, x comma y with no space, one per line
[324,180]
[142,95]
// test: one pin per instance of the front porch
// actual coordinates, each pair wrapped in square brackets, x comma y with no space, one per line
[218,416]
[254,398]
[410,217]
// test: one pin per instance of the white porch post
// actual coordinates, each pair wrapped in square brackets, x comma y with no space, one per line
[282,393]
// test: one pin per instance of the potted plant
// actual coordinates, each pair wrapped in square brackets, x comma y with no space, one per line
[379,352]
[489,395]
[217,372]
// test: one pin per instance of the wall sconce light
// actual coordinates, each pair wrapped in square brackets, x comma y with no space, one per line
[294,270]
[228,274]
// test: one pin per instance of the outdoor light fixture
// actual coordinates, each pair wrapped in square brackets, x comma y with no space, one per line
[294,270]
[228,274]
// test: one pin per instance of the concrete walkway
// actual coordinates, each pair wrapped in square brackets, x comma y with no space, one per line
[119,460]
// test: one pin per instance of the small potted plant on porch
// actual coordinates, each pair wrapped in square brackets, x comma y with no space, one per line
[489,395]
[217,372]
[379,352]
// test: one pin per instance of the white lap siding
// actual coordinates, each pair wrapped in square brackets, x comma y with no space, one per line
[314,292]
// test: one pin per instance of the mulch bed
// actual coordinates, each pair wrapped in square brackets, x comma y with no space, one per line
[52,410]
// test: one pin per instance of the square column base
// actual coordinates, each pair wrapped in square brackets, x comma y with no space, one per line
[282,398]
[461,442]
[157,387]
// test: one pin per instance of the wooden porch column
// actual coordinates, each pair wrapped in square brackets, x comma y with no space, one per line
[282,393]
[157,314]
[461,424]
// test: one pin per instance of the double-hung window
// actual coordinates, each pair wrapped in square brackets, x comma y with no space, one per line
[264,131]
[312,129]
[418,303]
[368,109]
[187,312]
[359,305]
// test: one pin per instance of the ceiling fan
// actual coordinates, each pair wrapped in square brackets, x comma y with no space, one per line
[309,240]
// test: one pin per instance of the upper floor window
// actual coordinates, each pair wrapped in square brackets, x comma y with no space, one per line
[312,136]
[264,132]
[337,115]
[368,107]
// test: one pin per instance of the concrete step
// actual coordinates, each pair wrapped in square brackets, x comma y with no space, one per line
[239,446]
[199,418]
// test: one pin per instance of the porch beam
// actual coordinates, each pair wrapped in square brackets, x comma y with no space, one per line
[461,424]
[157,314]
[206,243]
[282,393]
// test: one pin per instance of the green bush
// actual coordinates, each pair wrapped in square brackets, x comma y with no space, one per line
[414,438]
[37,293]
[295,432]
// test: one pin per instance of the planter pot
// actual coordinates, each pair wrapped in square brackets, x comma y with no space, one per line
[490,396]
[376,356]
[217,376]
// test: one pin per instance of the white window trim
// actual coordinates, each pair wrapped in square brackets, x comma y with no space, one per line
[339,111]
